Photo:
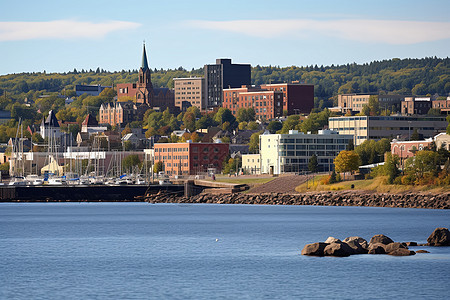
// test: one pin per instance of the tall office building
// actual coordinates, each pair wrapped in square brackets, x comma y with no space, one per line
[222,75]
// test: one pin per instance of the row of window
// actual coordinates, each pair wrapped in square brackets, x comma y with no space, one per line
[309,153]
[171,149]
[311,147]
[312,141]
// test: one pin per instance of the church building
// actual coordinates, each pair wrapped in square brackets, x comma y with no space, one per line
[142,92]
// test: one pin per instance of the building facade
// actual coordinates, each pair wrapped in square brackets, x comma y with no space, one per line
[191,158]
[378,127]
[416,105]
[406,149]
[251,163]
[297,98]
[267,104]
[442,105]
[91,90]
[117,113]
[223,75]
[190,92]
[356,102]
[281,153]
[142,92]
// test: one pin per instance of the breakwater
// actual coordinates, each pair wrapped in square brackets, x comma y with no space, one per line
[340,198]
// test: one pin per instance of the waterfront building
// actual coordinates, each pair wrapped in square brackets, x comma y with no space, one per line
[191,158]
[91,90]
[251,163]
[416,105]
[378,127]
[143,92]
[221,75]
[297,98]
[190,92]
[281,153]
[356,102]
[90,125]
[267,104]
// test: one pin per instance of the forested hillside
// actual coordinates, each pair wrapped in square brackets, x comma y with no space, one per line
[403,76]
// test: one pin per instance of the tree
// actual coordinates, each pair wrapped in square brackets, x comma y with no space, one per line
[195,137]
[346,161]
[245,114]
[189,121]
[333,177]
[350,145]
[252,125]
[130,161]
[390,167]
[254,142]
[224,115]
[415,135]
[313,164]
[274,126]
[242,125]
[423,162]
[158,167]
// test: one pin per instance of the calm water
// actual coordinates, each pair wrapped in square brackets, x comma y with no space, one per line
[141,251]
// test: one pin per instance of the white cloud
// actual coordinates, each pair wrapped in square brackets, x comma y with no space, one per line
[371,31]
[60,29]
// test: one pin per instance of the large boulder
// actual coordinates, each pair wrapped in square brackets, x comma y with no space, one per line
[331,239]
[380,238]
[402,252]
[393,247]
[315,249]
[357,247]
[376,248]
[439,237]
[338,249]
[358,240]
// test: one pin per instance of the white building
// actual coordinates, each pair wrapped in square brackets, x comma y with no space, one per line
[251,163]
[281,153]
[378,127]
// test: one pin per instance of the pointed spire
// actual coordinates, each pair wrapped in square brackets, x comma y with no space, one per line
[144,64]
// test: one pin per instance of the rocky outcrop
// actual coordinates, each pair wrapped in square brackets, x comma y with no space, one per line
[315,249]
[439,237]
[401,252]
[376,248]
[331,239]
[340,198]
[338,249]
[380,238]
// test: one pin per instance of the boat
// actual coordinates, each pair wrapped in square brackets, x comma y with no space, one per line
[18,180]
[56,181]
[34,179]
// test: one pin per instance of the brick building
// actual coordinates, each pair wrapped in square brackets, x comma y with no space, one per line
[416,105]
[356,102]
[190,92]
[297,98]
[191,158]
[143,92]
[118,113]
[267,104]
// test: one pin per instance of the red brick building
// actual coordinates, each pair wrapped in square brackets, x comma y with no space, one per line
[191,158]
[143,92]
[267,104]
[297,98]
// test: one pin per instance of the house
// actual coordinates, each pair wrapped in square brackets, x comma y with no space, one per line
[251,163]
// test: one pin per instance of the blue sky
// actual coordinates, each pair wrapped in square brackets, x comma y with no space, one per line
[58,36]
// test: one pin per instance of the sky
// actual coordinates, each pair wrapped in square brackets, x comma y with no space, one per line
[58,36]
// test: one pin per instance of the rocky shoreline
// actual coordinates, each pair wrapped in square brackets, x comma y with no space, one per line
[340,198]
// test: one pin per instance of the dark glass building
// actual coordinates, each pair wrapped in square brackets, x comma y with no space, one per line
[222,75]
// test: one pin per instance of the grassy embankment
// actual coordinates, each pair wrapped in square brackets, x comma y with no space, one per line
[377,184]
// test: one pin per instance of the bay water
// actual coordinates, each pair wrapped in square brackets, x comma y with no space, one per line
[208,251]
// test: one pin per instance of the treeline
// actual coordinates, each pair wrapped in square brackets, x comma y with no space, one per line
[422,76]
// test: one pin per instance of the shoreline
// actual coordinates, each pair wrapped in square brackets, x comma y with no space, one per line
[328,198]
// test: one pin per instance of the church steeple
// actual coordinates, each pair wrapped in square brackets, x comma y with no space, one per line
[144,64]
